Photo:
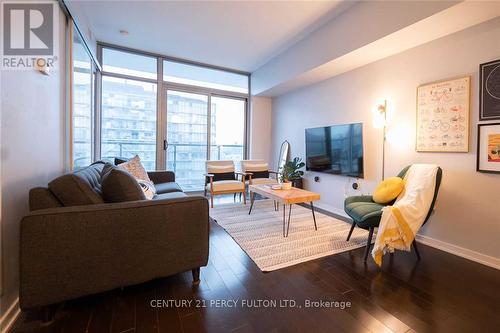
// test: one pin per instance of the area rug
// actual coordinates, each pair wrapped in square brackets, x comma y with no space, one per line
[260,234]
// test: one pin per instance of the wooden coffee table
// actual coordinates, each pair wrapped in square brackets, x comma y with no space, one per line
[285,197]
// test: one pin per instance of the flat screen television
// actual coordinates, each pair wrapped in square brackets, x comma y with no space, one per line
[335,149]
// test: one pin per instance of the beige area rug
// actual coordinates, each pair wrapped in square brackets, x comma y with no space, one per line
[260,234]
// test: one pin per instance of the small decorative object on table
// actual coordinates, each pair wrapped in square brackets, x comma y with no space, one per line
[292,173]
[488,148]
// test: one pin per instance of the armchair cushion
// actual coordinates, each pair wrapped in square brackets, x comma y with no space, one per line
[260,174]
[227,185]
[358,198]
[365,214]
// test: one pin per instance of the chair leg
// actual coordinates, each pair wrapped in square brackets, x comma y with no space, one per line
[416,249]
[244,197]
[205,192]
[350,231]
[368,243]
[196,276]
[48,314]
[234,197]
[212,200]
[240,196]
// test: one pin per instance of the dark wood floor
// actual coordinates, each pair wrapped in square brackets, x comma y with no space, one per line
[440,293]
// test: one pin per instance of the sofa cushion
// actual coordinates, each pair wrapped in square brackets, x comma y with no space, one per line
[171,195]
[81,187]
[167,188]
[119,185]
[42,198]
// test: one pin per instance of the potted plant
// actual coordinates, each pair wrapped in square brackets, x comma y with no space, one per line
[292,173]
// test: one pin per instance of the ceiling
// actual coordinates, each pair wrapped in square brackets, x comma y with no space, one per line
[240,35]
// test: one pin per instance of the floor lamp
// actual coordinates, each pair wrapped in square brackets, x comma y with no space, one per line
[380,121]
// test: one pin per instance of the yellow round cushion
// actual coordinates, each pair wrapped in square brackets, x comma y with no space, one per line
[388,190]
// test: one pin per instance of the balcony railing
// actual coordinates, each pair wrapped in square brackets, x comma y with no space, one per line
[187,160]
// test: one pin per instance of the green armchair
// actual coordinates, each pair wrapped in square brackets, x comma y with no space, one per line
[366,213]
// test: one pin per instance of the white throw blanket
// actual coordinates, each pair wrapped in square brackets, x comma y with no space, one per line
[400,222]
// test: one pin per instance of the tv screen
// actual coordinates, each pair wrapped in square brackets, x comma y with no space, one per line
[335,149]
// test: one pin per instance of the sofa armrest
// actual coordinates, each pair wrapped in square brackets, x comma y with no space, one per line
[69,252]
[159,177]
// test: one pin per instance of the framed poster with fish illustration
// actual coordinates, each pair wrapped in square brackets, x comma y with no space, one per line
[443,116]
[488,148]
[489,90]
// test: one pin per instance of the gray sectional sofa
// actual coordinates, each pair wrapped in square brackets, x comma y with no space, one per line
[74,244]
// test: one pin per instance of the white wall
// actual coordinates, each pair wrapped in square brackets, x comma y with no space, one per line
[467,208]
[32,152]
[260,128]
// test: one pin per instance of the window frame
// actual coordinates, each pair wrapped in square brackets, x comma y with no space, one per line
[161,96]
[94,70]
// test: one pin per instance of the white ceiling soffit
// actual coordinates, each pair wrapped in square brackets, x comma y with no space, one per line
[241,35]
[450,20]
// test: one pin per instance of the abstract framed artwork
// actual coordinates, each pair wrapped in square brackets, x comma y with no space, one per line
[488,148]
[489,90]
[443,116]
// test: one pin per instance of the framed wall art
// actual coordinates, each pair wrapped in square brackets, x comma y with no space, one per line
[488,148]
[489,90]
[443,116]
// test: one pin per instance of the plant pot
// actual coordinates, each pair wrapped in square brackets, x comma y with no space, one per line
[298,183]
[286,185]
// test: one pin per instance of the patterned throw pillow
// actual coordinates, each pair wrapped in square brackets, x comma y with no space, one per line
[135,168]
[148,187]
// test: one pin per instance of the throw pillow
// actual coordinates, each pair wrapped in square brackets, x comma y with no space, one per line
[135,168]
[118,185]
[148,187]
[388,190]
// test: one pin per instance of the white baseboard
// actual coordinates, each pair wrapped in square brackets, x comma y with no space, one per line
[9,317]
[331,209]
[432,242]
[460,251]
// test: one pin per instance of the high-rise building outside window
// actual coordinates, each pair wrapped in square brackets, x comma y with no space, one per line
[128,120]
[202,117]
[82,109]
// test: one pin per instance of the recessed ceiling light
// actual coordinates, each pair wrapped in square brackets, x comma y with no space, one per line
[124,32]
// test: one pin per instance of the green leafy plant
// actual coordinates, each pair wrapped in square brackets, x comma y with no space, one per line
[291,170]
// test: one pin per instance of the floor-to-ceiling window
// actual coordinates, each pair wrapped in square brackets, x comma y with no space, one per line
[227,128]
[187,137]
[175,115]
[82,97]
[128,106]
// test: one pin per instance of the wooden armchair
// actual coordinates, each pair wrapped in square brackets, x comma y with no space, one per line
[221,178]
[257,172]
